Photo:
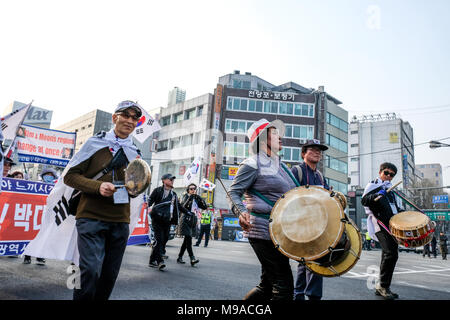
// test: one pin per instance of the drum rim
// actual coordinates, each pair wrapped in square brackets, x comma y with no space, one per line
[392,224]
[332,245]
[349,224]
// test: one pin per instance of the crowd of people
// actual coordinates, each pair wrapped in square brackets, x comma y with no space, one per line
[103,212]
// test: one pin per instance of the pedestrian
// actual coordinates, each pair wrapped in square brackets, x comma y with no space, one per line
[433,246]
[205,228]
[426,251]
[165,211]
[367,242]
[188,222]
[103,212]
[379,213]
[307,282]
[48,175]
[262,178]
[17,175]
[7,164]
[443,245]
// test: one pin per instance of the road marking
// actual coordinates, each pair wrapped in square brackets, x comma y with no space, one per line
[440,274]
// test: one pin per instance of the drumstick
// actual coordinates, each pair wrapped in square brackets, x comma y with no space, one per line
[228,195]
[388,190]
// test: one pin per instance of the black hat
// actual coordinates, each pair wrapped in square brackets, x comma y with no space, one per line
[167,176]
[10,161]
[314,143]
[128,104]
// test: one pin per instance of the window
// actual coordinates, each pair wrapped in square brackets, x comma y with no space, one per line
[267,106]
[305,110]
[165,121]
[354,132]
[251,105]
[336,143]
[187,140]
[246,85]
[354,145]
[354,159]
[274,107]
[162,145]
[236,104]
[288,132]
[196,138]
[337,122]
[230,103]
[259,106]
[244,104]
[199,111]
[298,109]
[237,84]
[189,114]
[174,143]
[177,117]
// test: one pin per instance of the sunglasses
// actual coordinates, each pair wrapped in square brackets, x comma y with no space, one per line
[192,188]
[388,173]
[126,115]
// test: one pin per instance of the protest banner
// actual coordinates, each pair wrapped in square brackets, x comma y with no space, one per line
[46,146]
[22,204]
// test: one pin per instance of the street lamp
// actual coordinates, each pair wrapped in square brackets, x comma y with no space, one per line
[437,144]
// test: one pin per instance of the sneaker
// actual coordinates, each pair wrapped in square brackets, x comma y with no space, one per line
[153,265]
[180,260]
[161,266]
[40,261]
[27,260]
[386,293]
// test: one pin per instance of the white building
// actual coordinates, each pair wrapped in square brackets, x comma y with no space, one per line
[432,172]
[183,136]
[375,139]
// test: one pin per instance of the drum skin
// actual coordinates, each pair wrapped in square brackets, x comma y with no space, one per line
[348,261]
[412,228]
[305,222]
[137,176]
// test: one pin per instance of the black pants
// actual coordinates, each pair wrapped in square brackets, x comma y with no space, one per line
[187,245]
[389,257]
[161,232]
[277,282]
[101,246]
[205,229]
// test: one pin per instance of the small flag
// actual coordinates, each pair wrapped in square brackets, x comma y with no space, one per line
[192,171]
[145,127]
[207,185]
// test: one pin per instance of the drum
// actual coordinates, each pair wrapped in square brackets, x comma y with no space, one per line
[412,228]
[308,224]
[137,177]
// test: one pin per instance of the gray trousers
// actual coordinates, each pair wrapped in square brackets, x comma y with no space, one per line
[101,246]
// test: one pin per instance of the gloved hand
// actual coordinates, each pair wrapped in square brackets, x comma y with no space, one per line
[382,192]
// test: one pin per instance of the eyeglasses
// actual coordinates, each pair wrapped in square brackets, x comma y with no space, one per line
[388,173]
[192,188]
[126,115]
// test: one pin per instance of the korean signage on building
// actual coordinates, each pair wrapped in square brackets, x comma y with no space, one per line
[440,199]
[286,96]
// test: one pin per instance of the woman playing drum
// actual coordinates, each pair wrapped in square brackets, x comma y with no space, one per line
[263,178]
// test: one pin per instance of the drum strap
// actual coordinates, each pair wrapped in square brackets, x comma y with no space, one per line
[265,199]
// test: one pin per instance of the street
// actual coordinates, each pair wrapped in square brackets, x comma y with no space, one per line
[227,270]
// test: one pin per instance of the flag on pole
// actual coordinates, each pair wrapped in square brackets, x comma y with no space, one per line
[207,185]
[9,126]
[145,127]
[192,172]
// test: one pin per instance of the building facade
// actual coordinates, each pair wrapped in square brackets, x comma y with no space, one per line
[242,99]
[176,95]
[87,125]
[183,136]
[431,172]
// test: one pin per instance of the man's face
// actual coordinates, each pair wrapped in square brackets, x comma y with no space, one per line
[168,182]
[125,122]
[313,155]
[6,168]
[387,174]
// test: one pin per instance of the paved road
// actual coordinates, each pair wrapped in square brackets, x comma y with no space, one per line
[227,270]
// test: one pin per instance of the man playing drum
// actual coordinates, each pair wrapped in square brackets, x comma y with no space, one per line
[309,283]
[263,179]
[380,210]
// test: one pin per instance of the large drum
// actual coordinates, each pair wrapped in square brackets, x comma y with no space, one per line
[308,224]
[412,228]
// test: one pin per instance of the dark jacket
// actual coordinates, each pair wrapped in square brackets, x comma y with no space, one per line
[188,221]
[163,206]
[381,209]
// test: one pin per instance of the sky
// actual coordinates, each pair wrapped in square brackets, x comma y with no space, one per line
[375,56]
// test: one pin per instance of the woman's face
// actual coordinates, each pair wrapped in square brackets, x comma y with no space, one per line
[274,140]
[192,189]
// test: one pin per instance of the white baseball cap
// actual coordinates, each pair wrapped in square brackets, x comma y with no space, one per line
[258,127]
